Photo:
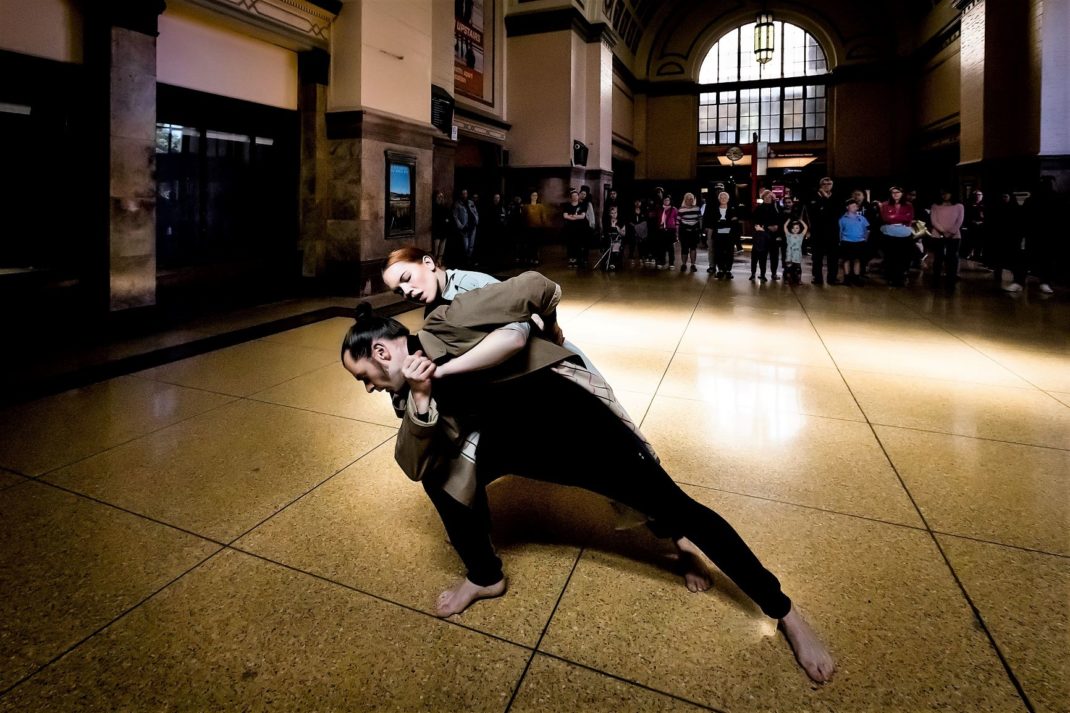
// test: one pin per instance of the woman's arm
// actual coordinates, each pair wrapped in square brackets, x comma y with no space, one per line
[492,350]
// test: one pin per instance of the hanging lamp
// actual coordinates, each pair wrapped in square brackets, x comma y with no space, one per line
[764,37]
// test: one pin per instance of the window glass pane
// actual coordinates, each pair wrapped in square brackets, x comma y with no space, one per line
[748,67]
[772,68]
[707,74]
[728,65]
[794,51]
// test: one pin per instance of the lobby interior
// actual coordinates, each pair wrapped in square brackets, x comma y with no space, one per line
[200,509]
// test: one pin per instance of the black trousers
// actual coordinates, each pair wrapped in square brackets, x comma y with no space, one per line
[530,423]
[724,245]
[825,249]
[945,258]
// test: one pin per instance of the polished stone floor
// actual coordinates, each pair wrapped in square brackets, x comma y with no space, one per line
[229,532]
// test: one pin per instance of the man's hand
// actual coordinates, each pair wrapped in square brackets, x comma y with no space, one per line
[418,371]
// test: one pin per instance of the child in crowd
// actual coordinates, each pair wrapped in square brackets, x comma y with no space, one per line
[794,233]
[854,229]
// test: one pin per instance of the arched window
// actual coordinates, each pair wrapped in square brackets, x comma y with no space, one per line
[750,98]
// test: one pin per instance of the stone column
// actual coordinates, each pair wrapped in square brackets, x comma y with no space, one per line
[130,61]
[315,179]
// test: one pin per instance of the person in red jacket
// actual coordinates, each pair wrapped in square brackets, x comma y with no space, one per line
[666,226]
[897,216]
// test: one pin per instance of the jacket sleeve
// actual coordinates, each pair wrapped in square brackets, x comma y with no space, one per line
[514,300]
[460,216]
[415,450]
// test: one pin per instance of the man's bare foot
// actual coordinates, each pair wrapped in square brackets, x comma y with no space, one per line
[457,598]
[697,575]
[811,654]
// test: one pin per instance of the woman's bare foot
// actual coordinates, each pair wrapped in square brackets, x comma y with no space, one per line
[811,654]
[457,598]
[697,574]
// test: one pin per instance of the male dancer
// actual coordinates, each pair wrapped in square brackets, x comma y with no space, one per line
[511,392]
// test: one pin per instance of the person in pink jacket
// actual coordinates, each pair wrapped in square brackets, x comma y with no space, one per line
[947,217]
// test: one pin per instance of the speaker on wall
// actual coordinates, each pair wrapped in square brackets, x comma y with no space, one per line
[579,153]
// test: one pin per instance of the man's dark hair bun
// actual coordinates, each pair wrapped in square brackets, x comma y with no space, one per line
[363,311]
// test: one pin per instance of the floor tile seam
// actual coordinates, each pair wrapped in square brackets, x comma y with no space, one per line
[545,628]
[804,506]
[128,511]
[704,401]
[319,413]
[887,456]
[978,350]
[115,620]
[978,617]
[675,351]
[314,488]
[1005,545]
[628,681]
[966,435]
[76,461]
[186,386]
[963,382]
[378,597]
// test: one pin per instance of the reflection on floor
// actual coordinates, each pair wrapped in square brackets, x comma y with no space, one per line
[230,532]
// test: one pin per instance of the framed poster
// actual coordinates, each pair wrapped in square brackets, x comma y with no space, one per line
[473,50]
[400,195]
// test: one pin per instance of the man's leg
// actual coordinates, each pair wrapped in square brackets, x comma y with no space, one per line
[469,531]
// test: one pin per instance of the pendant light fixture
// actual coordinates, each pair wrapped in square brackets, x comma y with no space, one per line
[764,37]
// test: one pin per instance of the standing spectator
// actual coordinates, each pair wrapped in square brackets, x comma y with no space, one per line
[514,228]
[766,231]
[1006,239]
[947,217]
[442,226]
[665,243]
[1043,220]
[465,219]
[690,218]
[613,231]
[897,217]
[973,242]
[535,223]
[722,225]
[825,233]
[612,201]
[794,233]
[854,229]
[575,216]
[870,210]
[636,237]
[492,241]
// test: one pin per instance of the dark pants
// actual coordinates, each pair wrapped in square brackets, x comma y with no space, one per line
[724,247]
[826,249]
[897,255]
[545,427]
[777,254]
[665,247]
[945,258]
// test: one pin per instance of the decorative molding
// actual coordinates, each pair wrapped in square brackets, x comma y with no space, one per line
[671,69]
[308,20]
[537,23]
[461,110]
[390,129]
[136,15]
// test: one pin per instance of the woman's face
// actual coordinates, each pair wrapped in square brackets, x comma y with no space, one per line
[613,213]
[415,281]
[722,198]
[945,197]
[666,202]
[534,197]
[897,195]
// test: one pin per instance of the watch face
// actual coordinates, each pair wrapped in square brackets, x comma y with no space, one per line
[734,154]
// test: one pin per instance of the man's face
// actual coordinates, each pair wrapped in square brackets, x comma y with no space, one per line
[464,195]
[826,186]
[858,196]
[379,372]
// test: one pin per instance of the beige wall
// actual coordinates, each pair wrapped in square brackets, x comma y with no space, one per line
[1051,30]
[381,56]
[192,52]
[43,28]
[442,35]
[623,110]
[972,89]
[671,137]
[938,95]
[538,100]
[863,136]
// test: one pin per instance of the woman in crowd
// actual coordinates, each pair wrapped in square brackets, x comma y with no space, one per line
[690,218]
[766,231]
[636,238]
[897,216]
[667,221]
[442,226]
[945,239]
[535,222]
[722,226]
